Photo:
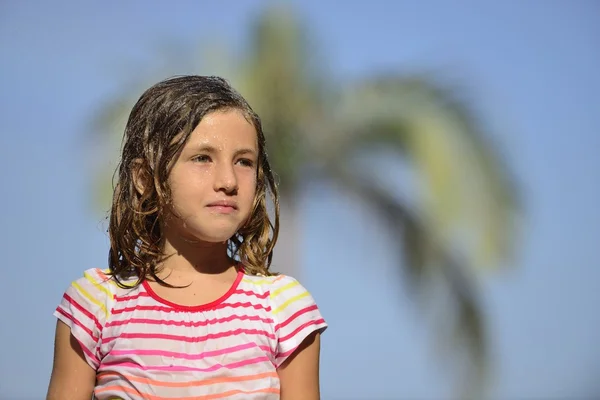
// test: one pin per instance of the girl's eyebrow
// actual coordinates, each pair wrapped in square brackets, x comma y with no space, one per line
[211,150]
[244,151]
[206,148]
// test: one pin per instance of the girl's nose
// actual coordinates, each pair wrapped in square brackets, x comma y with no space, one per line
[225,179]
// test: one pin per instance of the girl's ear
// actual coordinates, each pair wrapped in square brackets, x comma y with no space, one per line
[141,180]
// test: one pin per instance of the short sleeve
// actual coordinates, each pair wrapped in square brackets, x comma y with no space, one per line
[85,307]
[295,314]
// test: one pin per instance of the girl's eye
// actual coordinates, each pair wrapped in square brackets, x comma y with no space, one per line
[246,162]
[202,158]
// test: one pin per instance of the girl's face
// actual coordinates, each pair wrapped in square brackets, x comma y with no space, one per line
[213,181]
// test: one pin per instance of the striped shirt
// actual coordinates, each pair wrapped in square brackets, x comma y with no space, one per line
[144,347]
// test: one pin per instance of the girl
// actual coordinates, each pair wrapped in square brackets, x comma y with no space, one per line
[188,308]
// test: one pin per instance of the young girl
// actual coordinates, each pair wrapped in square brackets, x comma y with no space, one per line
[188,308]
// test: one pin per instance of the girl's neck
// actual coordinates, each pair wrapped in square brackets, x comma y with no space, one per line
[194,257]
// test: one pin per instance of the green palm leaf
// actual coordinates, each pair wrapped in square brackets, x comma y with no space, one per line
[468,197]
[464,192]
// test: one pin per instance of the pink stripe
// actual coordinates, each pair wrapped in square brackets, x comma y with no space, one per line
[119,299]
[101,273]
[251,293]
[186,355]
[304,325]
[79,324]
[290,351]
[245,305]
[84,348]
[95,359]
[178,368]
[193,339]
[189,323]
[170,309]
[287,353]
[85,312]
[294,316]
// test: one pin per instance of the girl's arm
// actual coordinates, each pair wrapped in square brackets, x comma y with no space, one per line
[72,377]
[299,374]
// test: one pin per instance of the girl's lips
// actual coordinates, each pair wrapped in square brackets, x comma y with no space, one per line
[224,203]
[222,209]
[223,206]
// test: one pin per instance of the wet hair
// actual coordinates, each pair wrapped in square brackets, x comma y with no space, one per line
[159,125]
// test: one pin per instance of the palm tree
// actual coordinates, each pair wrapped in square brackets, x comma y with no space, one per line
[459,218]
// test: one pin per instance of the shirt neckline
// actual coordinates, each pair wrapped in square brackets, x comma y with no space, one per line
[200,307]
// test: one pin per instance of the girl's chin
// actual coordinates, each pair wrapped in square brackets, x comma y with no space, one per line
[208,239]
[203,233]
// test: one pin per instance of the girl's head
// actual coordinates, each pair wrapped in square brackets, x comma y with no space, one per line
[194,165]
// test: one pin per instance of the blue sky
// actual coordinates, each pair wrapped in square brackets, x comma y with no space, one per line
[530,68]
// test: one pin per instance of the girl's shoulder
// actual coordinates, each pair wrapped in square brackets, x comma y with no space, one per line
[86,306]
[284,292]
[265,280]
[270,284]
[104,277]
[293,310]
[99,285]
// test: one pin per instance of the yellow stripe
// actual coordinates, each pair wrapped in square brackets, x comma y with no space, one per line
[290,301]
[98,285]
[259,281]
[284,288]
[90,298]
[256,282]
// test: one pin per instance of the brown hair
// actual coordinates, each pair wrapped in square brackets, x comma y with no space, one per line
[159,125]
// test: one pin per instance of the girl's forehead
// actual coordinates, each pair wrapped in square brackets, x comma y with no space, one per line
[224,128]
